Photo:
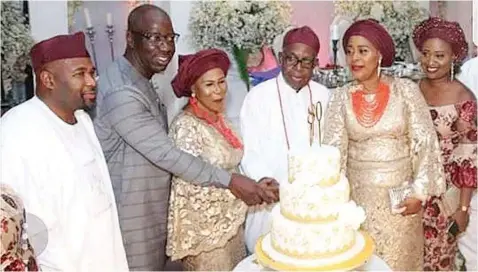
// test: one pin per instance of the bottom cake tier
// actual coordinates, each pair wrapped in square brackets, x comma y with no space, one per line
[350,259]
[304,240]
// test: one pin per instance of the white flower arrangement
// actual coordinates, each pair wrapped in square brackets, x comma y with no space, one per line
[73,7]
[239,27]
[247,25]
[16,43]
[398,17]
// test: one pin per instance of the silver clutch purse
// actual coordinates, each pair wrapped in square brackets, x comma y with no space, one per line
[450,201]
[398,195]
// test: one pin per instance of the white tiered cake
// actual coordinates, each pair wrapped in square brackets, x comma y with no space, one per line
[316,224]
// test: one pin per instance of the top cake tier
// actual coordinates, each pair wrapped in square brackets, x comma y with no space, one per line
[317,165]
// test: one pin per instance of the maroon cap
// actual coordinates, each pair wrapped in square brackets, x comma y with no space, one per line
[303,35]
[58,47]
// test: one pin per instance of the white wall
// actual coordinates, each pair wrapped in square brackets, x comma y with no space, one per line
[48,18]
[179,13]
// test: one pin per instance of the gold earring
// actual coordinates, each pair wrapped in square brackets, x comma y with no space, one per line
[452,71]
[379,68]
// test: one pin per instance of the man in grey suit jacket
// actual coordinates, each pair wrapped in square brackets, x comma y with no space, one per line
[131,124]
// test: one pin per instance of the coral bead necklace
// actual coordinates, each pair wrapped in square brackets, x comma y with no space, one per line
[370,107]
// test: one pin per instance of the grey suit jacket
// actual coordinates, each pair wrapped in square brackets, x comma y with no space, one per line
[131,125]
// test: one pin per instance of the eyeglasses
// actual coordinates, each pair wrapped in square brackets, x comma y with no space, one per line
[291,60]
[156,38]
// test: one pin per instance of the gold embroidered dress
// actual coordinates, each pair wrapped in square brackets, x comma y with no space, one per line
[402,146]
[205,224]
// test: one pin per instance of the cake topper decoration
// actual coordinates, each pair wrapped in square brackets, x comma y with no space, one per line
[318,112]
[315,113]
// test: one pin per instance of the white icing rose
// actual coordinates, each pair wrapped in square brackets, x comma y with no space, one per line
[352,215]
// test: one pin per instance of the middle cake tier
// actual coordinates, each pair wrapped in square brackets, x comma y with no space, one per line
[312,202]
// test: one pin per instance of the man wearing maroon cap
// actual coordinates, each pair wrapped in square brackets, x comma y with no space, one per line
[275,119]
[132,126]
[52,158]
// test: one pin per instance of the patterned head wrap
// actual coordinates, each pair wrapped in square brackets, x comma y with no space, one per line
[377,35]
[450,32]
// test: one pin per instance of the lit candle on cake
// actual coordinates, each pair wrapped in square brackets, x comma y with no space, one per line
[318,114]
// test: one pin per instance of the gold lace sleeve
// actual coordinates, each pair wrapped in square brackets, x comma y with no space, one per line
[335,131]
[186,135]
[424,146]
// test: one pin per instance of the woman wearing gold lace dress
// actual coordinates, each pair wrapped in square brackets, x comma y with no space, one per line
[205,224]
[387,140]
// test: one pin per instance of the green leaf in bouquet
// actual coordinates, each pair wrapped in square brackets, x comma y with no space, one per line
[240,56]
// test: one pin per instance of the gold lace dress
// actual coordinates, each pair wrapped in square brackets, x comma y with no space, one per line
[402,146]
[205,224]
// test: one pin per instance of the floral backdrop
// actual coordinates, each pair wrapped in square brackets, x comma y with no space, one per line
[16,43]
[242,24]
[398,17]
[73,7]
[239,27]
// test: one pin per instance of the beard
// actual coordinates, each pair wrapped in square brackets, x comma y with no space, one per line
[88,100]
[90,109]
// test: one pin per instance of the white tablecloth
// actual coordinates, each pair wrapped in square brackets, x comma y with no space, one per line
[374,264]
